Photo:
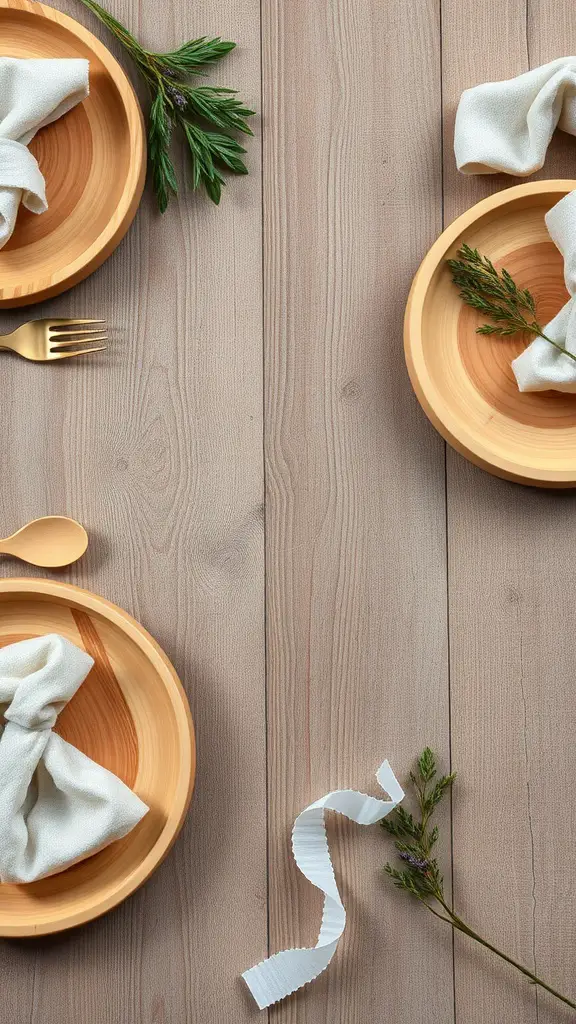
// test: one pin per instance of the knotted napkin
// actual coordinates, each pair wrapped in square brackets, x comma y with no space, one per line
[56,805]
[507,126]
[33,94]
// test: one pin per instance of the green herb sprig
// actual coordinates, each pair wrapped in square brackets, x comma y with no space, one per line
[510,308]
[419,874]
[205,114]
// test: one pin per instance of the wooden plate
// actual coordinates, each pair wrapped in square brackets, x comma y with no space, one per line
[130,715]
[93,160]
[464,381]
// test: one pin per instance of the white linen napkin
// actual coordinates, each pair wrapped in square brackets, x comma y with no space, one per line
[56,805]
[541,367]
[507,126]
[33,93]
[283,973]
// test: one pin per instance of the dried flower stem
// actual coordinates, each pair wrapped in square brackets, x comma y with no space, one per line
[497,296]
[420,874]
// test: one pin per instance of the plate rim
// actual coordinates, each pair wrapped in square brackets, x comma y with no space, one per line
[118,224]
[139,634]
[414,350]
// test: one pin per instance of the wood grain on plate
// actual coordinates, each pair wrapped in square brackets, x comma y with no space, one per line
[463,380]
[131,716]
[93,160]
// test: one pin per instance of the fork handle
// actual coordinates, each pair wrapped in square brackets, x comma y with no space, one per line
[11,348]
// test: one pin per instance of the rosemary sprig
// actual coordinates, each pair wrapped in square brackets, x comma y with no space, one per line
[510,308]
[420,874]
[204,114]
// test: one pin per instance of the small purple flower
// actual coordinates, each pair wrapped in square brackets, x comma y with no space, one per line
[418,865]
[177,97]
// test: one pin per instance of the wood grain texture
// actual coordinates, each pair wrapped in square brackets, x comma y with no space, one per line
[158,451]
[356,616]
[510,551]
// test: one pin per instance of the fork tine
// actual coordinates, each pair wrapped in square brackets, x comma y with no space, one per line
[65,322]
[78,330]
[55,345]
[81,352]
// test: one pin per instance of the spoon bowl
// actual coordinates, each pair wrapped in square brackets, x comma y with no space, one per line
[50,542]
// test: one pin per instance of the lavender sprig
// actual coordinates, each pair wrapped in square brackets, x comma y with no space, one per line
[206,115]
[418,864]
[420,874]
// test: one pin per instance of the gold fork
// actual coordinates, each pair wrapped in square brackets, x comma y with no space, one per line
[42,341]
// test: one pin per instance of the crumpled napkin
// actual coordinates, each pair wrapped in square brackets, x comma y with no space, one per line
[56,805]
[507,126]
[33,94]
[541,367]
[283,973]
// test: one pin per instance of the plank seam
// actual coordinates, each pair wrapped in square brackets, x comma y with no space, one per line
[264,488]
[446,525]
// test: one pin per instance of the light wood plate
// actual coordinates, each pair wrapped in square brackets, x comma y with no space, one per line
[130,715]
[463,380]
[93,160]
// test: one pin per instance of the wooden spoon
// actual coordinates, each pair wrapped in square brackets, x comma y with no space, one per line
[50,542]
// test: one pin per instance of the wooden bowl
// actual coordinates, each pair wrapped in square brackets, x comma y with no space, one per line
[463,380]
[130,715]
[93,160]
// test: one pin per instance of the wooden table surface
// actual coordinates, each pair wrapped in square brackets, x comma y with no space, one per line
[334,586]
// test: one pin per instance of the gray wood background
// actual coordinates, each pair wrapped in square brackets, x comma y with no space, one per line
[264,493]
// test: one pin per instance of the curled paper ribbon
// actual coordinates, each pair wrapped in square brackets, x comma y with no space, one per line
[283,973]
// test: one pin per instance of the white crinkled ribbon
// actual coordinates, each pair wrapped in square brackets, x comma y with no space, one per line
[283,973]
[507,126]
